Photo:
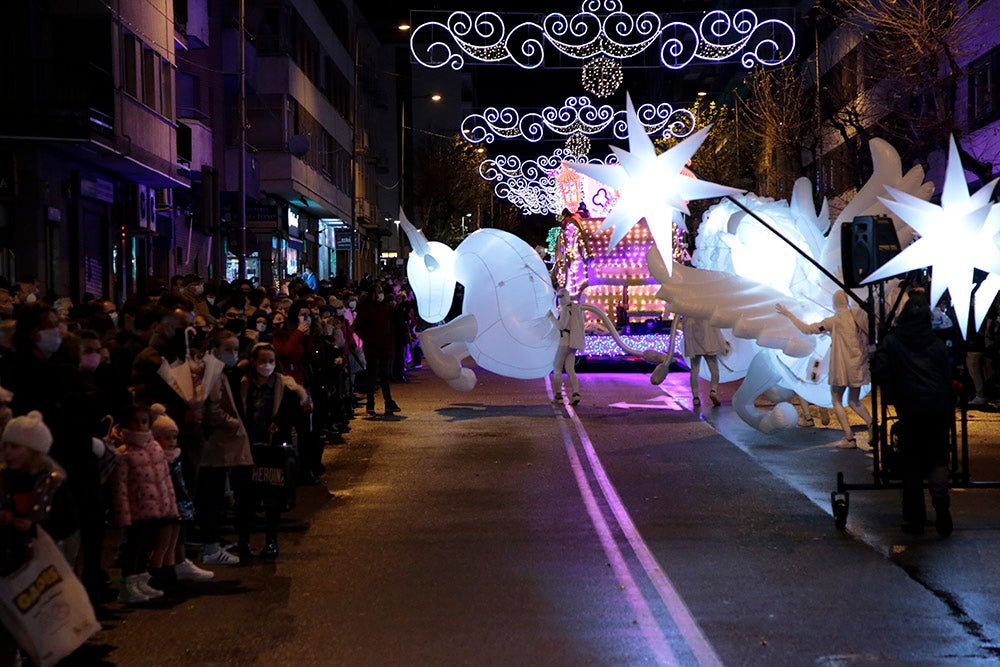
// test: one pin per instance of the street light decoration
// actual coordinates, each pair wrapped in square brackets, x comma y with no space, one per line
[602,29]
[601,76]
[530,184]
[578,144]
[652,186]
[577,115]
[955,238]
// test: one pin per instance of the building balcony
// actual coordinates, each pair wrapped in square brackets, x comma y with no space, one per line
[288,177]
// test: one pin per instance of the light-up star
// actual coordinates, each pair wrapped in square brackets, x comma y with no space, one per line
[651,186]
[956,238]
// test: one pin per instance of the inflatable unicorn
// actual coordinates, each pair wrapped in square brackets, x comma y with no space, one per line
[508,315]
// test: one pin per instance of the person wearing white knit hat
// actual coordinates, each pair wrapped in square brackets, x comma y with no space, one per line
[32,489]
[29,431]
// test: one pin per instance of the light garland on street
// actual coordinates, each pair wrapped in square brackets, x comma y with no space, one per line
[530,184]
[578,144]
[612,33]
[601,76]
[578,115]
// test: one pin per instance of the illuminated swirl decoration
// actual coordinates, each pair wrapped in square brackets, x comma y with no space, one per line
[485,38]
[531,184]
[577,116]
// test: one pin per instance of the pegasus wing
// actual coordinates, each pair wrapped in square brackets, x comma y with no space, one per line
[729,301]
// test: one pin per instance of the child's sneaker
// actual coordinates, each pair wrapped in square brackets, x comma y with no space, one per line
[557,398]
[219,557]
[714,398]
[575,400]
[188,571]
[130,593]
[142,584]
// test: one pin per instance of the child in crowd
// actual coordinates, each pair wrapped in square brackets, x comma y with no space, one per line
[173,564]
[32,493]
[144,502]
[271,404]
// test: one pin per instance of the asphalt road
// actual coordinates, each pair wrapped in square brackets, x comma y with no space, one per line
[495,528]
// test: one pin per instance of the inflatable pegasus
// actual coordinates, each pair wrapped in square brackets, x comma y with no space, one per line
[508,315]
[744,270]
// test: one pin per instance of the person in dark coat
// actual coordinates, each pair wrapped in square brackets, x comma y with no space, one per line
[46,377]
[270,404]
[914,365]
[373,324]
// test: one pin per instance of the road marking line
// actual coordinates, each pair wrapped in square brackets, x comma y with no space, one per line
[681,615]
[644,616]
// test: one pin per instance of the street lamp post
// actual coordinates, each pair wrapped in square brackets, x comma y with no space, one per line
[433,97]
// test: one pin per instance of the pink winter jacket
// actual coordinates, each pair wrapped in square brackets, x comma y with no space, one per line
[141,486]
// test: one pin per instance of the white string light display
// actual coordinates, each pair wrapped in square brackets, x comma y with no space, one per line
[530,184]
[612,33]
[578,115]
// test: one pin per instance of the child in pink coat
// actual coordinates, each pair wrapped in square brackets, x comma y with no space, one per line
[144,502]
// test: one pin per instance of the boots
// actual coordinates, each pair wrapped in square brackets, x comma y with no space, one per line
[270,550]
[942,520]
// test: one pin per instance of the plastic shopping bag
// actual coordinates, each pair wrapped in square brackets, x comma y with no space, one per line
[45,607]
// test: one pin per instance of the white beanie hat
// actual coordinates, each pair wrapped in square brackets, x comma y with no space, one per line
[162,423]
[29,431]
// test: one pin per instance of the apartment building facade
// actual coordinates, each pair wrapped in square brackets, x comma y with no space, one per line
[120,143]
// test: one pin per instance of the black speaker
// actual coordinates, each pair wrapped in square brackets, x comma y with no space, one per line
[866,243]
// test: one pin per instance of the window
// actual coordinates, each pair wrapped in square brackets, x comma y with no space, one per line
[130,58]
[984,90]
[166,90]
[150,61]
[188,96]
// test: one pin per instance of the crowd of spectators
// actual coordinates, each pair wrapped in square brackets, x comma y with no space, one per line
[152,411]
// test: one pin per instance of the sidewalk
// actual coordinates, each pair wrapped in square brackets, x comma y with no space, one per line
[807,459]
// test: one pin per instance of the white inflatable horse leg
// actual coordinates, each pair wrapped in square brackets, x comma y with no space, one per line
[762,377]
[444,347]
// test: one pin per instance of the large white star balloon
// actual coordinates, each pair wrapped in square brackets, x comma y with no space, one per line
[956,238]
[651,186]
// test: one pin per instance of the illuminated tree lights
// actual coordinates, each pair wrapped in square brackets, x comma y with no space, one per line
[601,76]
[613,33]
[578,115]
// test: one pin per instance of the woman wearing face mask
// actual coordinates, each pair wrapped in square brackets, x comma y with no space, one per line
[374,326]
[271,405]
[48,379]
[261,323]
[297,348]
[227,451]
[331,377]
